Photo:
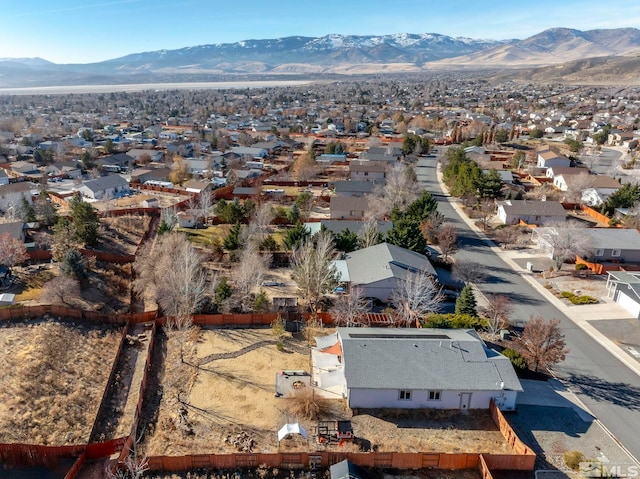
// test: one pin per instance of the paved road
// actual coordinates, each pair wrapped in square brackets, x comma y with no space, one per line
[608,388]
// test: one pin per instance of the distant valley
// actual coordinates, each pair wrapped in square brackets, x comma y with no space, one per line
[559,54]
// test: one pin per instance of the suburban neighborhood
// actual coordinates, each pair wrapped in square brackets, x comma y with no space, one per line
[390,272]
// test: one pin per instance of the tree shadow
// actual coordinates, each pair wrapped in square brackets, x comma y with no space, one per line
[617,393]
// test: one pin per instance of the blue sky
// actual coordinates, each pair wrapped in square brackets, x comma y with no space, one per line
[82,31]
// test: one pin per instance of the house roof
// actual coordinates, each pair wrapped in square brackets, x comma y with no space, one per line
[372,167]
[537,208]
[348,203]
[14,229]
[197,185]
[348,470]
[384,261]
[630,279]
[21,187]
[104,183]
[451,359]
[568,170]
[337,226]
[605,182]
[604,238]
[354,186]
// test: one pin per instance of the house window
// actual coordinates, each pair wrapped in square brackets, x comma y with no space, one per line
[405,395]
[599,252]
[615,252]
[434,395]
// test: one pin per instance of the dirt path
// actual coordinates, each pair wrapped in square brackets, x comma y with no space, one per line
[116,414]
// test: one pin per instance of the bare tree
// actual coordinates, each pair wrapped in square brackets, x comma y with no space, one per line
[369,235]
[566,241]
[205,204]
[400,190]
[63,290]
[349,309]
[484,211]
[250,271]
[416,296]
[497,313]
[576,184]
[258,227]
[430,227]
[12,250]
[169,271]
[447,240]
[169,217]
[314,270]
[507,235]
[469,272]
[542,343]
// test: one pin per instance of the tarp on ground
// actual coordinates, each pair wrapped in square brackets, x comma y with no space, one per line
[330,379]
[292,428]
[322,361]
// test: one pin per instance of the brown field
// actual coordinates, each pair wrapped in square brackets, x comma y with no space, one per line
[231,393]
[52,380]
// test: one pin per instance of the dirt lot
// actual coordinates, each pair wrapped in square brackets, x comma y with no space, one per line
[122,234]
[232,396]
[52,379]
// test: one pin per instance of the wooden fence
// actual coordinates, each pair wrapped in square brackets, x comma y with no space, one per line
[600,218]
[485,473]
[524,458]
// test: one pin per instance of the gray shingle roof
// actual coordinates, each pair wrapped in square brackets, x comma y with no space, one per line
[105,183]
[443,359]
[384,261]
[528,207]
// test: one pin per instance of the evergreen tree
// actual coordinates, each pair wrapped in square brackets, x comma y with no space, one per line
[295,236]
[406,233]
[85,221]
[223,290]
[346,241]
[45,211]
[489,185]
[466,302]
[28,211]
[232,240]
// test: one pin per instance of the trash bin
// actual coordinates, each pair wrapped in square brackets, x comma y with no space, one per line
[529,266]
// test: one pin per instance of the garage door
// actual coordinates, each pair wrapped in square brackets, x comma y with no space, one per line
[629,304]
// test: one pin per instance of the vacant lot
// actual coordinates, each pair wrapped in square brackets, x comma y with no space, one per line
[121,235]
[231,400]
[52,379]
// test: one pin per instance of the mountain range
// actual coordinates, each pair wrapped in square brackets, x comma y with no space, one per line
[579,51]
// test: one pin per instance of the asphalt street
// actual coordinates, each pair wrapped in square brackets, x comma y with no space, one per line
[606,386]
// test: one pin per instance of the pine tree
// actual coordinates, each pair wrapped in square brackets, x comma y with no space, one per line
[466,302]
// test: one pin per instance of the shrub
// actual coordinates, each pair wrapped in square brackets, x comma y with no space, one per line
[575,299]
[305,403]
[516,359]
[453,321]
[573,459]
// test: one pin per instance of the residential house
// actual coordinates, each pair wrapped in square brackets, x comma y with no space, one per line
[138,153]
[379,270]
[600,188]
[347,207]
[119,162]
[450,369]
[353,188]
[152,174]
[104,187]
[573,177]
[606,245]
[249,152]
[24,168]
[554,171]
[511,212]
[548,158]
[624,288]
[367,171]
[12,195]
[197,186]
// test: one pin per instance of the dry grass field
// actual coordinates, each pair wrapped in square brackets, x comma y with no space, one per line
[52,379]
[229,397]
[121,235]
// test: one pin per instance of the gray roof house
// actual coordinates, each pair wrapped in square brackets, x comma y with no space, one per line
[379,269]
[450,369]
[353,188]
[104,188]
[510,212]
[624,288]
[11,195]
[348,207]
[547,158]
[606,245]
